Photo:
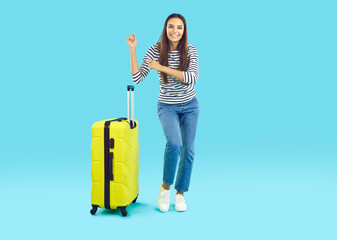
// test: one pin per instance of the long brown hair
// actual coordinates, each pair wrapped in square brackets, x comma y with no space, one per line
[164,45]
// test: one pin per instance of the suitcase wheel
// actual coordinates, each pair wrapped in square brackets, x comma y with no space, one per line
[135,199]
[93,210]
[123,211]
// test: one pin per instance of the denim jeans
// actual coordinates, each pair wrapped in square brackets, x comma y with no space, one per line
[179,122]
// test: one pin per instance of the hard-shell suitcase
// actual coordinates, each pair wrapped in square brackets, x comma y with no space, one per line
[114,155]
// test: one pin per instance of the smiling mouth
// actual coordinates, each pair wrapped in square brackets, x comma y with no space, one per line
[174,36]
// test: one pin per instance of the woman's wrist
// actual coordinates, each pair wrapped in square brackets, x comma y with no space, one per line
[162,69]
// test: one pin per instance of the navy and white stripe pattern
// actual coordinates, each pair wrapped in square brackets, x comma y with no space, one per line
[175,91]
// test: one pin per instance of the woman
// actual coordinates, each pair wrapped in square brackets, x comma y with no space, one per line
[176,62]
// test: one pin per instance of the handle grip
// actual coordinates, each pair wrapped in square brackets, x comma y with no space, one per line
[132,121]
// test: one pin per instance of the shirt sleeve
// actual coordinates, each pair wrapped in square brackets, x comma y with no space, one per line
[144,69]
[192,73]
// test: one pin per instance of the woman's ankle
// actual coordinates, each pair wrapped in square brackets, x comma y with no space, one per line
[165,186]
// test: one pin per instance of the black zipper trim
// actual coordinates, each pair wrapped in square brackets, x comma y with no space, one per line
[108,161]
[107,165]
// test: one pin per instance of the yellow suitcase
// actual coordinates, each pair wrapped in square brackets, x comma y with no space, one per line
[114,155]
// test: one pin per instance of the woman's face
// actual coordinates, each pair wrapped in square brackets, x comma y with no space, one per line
[175,29]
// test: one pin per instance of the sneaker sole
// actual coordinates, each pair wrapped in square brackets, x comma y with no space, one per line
[180,210]
[164,211]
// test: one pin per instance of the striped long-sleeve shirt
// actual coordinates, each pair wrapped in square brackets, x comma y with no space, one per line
[173,92]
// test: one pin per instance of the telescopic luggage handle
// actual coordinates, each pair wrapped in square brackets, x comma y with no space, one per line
[132,122]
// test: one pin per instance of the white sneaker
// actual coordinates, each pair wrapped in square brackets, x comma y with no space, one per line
[164,199]
[179,201]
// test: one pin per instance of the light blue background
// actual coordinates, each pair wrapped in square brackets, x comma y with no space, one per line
[266,149]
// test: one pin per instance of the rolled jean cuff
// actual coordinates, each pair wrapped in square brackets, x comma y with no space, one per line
[180,190]
[167,182]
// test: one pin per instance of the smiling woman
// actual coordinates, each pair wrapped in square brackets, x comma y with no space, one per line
[176,62]
[174,37]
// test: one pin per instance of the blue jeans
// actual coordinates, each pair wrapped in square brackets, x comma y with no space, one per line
[179,122]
